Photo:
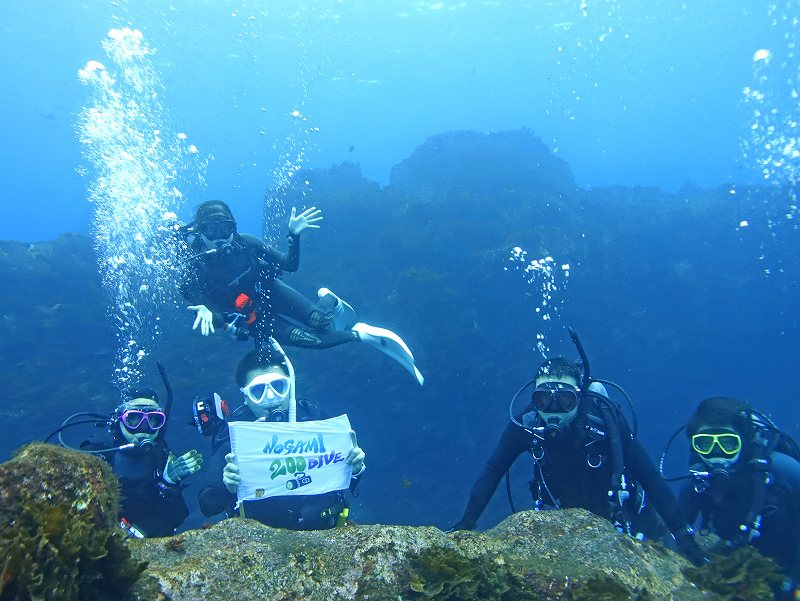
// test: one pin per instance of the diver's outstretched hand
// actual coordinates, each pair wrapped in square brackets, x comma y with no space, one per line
[204,319]
[177,468]
[306,220]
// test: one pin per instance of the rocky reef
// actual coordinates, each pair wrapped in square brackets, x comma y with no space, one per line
[531,555]
[59,540]
[477,163]
[58,533]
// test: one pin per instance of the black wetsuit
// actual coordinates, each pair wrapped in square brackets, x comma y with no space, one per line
[725,503]
[149,502]
[293,512]
[242,282]
[564,479]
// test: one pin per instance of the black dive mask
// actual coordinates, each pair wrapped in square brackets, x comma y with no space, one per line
[216,236]
[555,397]
[217,230]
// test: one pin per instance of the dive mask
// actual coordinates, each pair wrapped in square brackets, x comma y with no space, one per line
[147,422]
[267,388]
[217,230]
[555,397]
[718,450]
[217,236]
[729,443]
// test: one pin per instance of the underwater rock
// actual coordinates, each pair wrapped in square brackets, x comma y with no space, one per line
[742,575]
[480,163]
[570,554]
[59,540]
[340,182]
[58,533]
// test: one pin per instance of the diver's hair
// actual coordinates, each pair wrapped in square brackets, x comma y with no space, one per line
[559,367]
[137,393]
[252,361]
[722,411]
[141,393]
[211,210]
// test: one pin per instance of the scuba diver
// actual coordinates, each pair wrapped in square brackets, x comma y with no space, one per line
[269,395]
[149,473]
[745,482]
[584,456]
[233,282]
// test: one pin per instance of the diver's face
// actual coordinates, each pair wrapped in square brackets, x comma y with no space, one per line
[217,233]
[556,399]
[717,446]
[268,390]
[140,420]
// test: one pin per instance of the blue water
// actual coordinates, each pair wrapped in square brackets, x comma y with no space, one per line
[627,93]
[657,102]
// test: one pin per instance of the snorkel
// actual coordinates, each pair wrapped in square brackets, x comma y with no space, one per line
[539,431]
[587,379]
[168,405]
[290,368]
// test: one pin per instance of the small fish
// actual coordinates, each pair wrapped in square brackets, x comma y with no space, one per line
[407,483]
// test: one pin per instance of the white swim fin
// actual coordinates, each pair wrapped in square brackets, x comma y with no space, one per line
[391,344]
[344,316]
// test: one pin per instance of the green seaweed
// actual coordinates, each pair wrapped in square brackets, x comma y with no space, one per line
[443,574]
[58,538]
[743,575]
[607,588]
[50,554]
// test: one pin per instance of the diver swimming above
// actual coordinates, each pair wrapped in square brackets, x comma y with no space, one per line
[233,283]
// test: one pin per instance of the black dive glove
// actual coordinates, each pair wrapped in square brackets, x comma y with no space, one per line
[688,547]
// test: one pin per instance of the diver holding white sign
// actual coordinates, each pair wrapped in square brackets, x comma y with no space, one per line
[300,450]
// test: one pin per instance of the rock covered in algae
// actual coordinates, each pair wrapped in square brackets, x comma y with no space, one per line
[58,533]
[743,575]
[570,555]
[59,540]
